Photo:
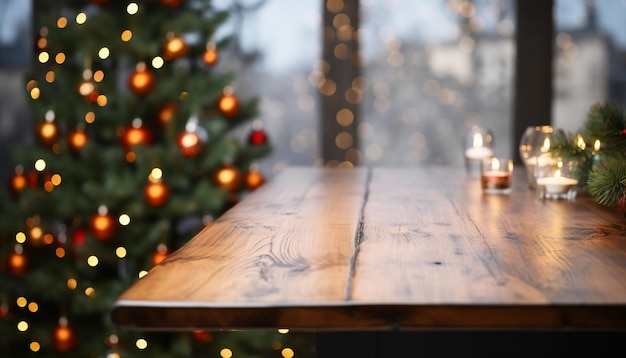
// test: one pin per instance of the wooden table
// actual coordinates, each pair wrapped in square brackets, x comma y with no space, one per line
[392,250]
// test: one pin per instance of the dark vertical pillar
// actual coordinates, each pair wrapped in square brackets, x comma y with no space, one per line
[339,92]
[533,66]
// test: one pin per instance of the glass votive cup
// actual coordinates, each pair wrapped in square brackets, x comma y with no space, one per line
[496,175]
[478,145]
[556,177]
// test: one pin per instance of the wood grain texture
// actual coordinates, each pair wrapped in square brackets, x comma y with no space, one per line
[390,248]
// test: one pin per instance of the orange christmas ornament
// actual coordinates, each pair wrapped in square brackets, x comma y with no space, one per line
[63,337]
[210,56]
[160,254]
[47,131]
[77,139]
[175,47]
[254,179]
[156,193]
[135,134]
[228,104]
[192,140]
[17,263]
[167,112]
[102,225]
[142,80]
[229,177]
[18,181]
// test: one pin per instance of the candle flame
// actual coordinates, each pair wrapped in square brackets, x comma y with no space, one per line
[546,145]
[478,140]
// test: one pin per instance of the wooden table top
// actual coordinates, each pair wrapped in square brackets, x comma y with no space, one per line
[390,248]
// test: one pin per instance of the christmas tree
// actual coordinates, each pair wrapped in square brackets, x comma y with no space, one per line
[140,140]
[600,149]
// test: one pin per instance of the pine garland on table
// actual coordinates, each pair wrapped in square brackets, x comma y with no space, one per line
[600,148]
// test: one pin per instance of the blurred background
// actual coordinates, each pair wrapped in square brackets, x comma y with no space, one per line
[429,69]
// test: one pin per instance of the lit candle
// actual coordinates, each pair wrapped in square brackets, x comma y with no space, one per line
[478,152]
[556,185]
[496,179]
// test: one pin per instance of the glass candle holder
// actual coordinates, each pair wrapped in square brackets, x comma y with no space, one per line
[535,141]
[556,177]
[478,145]
[496,175]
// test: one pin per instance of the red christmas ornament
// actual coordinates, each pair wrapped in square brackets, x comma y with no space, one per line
[621,204]
[228,105]
[102,225]
[156,194]
[77,139]
[202,336]
[63,337]
[257,137]
[142,80]
[160,254]
[254,179]
[189,143]
[229,177]
[18,181]
[175,47]
[135,134]
[171,3]
[77,241]
[17,263]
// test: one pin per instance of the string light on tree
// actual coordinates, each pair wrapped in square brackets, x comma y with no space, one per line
[102,224]
[167,112]
[47,130]
[156,193]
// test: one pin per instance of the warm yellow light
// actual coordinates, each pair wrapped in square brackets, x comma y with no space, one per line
[20,237]
[22,326]
[596,145]
[124,219]
[81,18]
[158,62]
[90,292]
[35,346]
[142,273]
[104,53]
[61,22]
[98,76]
[287,353]
[283,330]
[141,343]
[33,307]
[21,302]
[35,93]
[72,283]
[56,179]
[126,35]
[132,8]
[50,76]
[90,117]
[92,261]
[226,353]
[102,100]
[40,165]
[60,58]
[120,252]
[60,252]
[43,57]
